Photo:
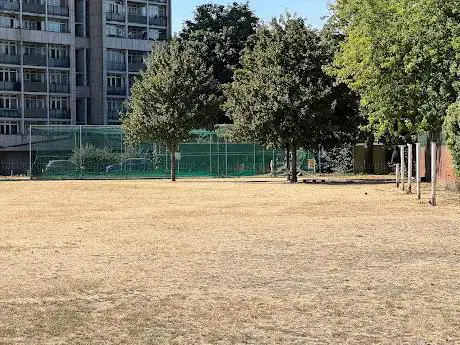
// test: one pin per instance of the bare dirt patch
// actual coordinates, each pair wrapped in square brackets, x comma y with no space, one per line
[150,262]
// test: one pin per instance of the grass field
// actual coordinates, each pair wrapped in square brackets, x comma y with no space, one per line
[222,262]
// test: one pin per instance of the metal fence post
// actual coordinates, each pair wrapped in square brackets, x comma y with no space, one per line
[30,152]
[434,161]
[417,173]
[226,157]
[403,168]
[81,153]
[409,168]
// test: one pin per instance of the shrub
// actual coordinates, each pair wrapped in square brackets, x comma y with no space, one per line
[93,158]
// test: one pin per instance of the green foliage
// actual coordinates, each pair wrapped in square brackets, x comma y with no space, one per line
[223,32]
[94,158]
[401,57]
[172,96]
[452,130]
[281,96]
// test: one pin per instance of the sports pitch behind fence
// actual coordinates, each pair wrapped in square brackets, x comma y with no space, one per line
[94,152]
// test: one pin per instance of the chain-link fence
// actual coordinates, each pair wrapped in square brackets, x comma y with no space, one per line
[94,152]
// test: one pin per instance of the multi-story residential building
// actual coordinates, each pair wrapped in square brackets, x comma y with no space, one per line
[71,61]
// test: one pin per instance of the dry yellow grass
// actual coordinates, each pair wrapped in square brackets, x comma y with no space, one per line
[222,262]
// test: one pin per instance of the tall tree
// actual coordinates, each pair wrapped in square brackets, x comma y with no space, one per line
[172,96]
[401,57]
[224,31]
[281,96]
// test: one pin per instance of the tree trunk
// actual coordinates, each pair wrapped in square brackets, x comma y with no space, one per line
[173,163]
[288,159]
[294,164]
[369,155]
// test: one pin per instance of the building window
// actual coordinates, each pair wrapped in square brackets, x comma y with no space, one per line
[8,74]
[157,34]
[115,55]
[117,81]
[9,102]
[34,76]
[8,21]
[55,25]
[59,103]
[115,7]
[58,52]
[8,48]
[32,24]
[34,102]
[59,77]
[115,31]
[157,11]
[32,49]
[9,127]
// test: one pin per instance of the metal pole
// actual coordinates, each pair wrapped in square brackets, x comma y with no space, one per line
[409,167]
[397,175]
[403,168]
[263,159]
[226,157]
[434,162]
[417,173]
[30,152]
[255,168]
[218,157]
[210,155]
[81,155]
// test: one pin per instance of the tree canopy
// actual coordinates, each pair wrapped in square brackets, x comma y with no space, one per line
[281,95]
[401,57]
[172,96]
[224,32]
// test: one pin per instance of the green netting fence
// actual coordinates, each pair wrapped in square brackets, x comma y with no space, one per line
[97,152]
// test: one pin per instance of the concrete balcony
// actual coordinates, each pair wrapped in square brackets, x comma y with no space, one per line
[115,17]
[59,88]
[62,11]
[116,91]
[113,116]
[116,66]
[33,8]
[10,86]
[32,86]
[138,19]
[158,21]
[62,62]
[8,5]
[36,114]
[10,113]
[135,66]
[35,60]
[62,114]
[10,59]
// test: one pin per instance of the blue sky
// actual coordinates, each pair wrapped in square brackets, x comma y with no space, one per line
[313,10]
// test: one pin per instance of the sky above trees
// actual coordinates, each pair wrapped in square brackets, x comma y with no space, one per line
[312,10]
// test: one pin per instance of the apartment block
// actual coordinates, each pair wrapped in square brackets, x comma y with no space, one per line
[71,61]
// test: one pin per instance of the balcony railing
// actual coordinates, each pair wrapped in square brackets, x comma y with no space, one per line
[136,18]
[8,5]
[61,62]
[33,8]
[59,88]
[116,66]
[35,60]
[10,113]
[62,11]
[62,114]
[10,86]
[36,113]
[33,86]
[115,17]
[10,59]
[158,21]
[116,91]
